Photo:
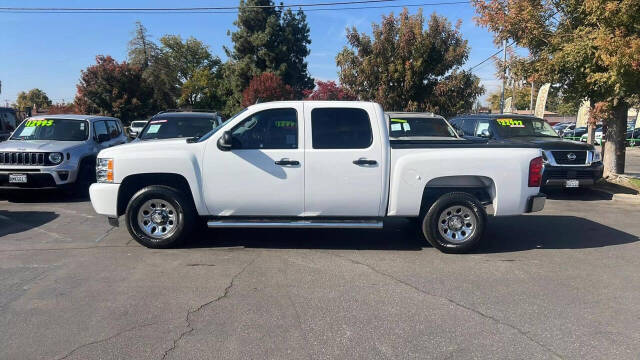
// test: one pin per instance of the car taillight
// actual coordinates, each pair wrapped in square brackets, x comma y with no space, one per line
[535,172]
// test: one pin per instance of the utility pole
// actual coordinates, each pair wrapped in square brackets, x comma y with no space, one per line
[504,74]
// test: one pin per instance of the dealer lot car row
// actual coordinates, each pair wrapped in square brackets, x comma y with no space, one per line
[303,164]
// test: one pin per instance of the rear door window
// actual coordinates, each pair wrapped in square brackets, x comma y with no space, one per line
[468,126]
[113,129]
[100,128]
[340,128]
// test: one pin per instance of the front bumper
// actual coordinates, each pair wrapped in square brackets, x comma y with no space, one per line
[39,177]
[104,198]
[536,203]
[557,176]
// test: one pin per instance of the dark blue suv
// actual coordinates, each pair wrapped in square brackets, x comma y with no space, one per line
[567,163]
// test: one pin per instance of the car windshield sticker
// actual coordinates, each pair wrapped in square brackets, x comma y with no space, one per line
[158,121]
[42,122]
[398,120]
[27,131]
[396,127]
[81,126]
[510,123]
[153,128]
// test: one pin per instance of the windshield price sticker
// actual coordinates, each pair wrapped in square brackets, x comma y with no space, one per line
[153,128]
[158,121]
[285,124]
[510,123]
[43,122]
[398,120]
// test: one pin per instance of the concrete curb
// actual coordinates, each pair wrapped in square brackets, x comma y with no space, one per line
[618,196]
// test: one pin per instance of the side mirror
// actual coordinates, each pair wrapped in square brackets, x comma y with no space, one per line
[224,143]
[103,137]
[485,133]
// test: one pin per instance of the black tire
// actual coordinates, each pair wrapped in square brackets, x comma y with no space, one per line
[430,222]
[185,216]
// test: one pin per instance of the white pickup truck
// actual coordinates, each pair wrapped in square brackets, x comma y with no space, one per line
[313,164]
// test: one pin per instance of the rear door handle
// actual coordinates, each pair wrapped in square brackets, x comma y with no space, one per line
[363,161]
[285,161]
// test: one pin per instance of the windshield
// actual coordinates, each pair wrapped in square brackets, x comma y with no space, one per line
[419,126]
[519,127]
[52,129]
[178,127]
[138,124]
[208,135]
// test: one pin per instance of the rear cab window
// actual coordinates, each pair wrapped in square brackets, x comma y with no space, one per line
[340,128]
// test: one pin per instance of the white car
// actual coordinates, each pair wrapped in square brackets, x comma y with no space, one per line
[136,127]
[597,137]
[314,164]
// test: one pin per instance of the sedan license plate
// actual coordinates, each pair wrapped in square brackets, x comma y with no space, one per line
[18,178]
[572,183]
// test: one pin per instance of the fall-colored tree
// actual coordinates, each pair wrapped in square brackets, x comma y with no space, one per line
[588,48]
[32,98]
[406,67]
[328,90]
[266,87]
[63,109]
[114,89]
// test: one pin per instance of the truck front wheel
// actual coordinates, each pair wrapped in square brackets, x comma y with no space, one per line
[159,217]
[454,223]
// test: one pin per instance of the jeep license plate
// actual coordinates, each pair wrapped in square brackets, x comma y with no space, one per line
[572,183]
[18,178]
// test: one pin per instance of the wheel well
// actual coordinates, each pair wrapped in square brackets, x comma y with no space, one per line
[133,183]
[481,187]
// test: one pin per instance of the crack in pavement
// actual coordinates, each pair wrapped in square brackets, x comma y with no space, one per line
[104,340]
[106,233]
[468,308]
[187,319]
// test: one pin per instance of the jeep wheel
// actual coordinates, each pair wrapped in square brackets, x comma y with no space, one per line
[454,223]
[159,217]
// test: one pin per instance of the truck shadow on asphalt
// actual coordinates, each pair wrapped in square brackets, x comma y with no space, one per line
[27,196]
[503,234]
[13,222]
[579,194]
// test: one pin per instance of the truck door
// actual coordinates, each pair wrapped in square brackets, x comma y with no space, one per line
[344,161]
[263,173]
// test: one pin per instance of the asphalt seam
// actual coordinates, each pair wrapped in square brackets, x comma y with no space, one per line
[104,340]
[478,312]
[225,294]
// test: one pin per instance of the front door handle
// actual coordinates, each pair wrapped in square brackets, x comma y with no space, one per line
[363,161]
[285,161]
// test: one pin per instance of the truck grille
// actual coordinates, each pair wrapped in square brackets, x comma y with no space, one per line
[568,174]
[570,157]
[22,158]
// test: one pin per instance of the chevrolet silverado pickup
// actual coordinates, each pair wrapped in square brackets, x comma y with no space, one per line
[313,164]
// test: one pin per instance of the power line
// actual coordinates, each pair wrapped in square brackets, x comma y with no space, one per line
[490,57]
[214,9]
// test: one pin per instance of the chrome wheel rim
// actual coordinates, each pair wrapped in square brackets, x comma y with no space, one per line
[457,224]
[157,218]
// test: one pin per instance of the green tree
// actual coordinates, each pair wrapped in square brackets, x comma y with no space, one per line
[406,67]
[34,98]
[114,89]
[268,39]
[588,48]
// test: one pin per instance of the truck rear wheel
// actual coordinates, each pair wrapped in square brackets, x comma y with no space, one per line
[159,217]
[454,223]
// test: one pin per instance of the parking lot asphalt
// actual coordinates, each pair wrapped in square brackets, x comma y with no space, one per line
[562,283]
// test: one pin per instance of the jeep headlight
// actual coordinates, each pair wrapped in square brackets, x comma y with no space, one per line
[56,158]
[104,170]
[597,156]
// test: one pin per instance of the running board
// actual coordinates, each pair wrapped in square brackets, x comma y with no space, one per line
[308,224]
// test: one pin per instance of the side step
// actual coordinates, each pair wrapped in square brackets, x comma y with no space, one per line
[308,224]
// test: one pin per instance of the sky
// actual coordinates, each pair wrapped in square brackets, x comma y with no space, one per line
[48,51]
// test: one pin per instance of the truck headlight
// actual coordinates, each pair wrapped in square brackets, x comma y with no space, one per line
[104,170]
[597,156]
[56,158]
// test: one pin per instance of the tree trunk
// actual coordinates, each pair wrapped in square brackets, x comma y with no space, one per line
[591,132]
[614,134]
